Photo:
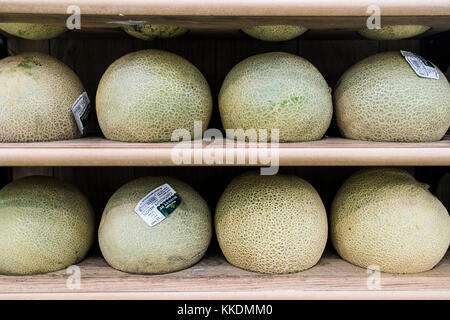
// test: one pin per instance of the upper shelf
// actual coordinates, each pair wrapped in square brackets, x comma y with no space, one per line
[326,152]
[230,14]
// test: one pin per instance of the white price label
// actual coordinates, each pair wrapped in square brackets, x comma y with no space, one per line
[81,110]
[158,204]
[422,67]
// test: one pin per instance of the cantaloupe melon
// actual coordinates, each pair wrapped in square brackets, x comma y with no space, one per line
[32,31]
[129,244]
[152,31]
[45,225]
[393,32]
[36,97]
[146,95]
[383,217]
[277,90]
[275,32]
[381,98]
[271,224]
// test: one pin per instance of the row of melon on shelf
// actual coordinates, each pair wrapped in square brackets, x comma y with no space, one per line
[381,218]
[32,31]
[158,96]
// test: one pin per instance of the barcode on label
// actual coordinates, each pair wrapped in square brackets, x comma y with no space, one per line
[81,110]
[158,204]
[422,67]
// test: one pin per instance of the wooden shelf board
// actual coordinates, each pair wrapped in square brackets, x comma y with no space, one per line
[328,151]
[230,7]
[230,14]
[214,278]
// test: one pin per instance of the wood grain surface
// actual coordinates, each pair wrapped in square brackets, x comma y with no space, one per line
[214,278]
[328,151]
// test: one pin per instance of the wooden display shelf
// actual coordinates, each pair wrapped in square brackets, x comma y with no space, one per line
[326,152]
[214,278]
[230,14]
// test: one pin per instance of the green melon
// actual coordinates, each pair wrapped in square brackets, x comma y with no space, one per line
[271,224]
[146,95]
[394,32]
[32,31]
[36,97]
[152,31]
[381,98]
[45,225]
[275,32]
[385,218]
[129,244]
[277,90]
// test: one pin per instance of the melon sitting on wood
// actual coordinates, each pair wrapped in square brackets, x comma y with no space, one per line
[275,32]
[45,225]
[154,31]
[280,91]
[394,32]
[146,95]
[129,244]
[271,224]
[381,98]
[36,97]
[33,31]
[384,218]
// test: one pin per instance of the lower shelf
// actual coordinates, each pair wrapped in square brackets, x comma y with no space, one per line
[214,278]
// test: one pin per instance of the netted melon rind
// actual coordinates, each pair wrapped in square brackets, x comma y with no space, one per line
[36,97]
[146,95]
[381,98]
[393,32]
[275,32]
[271,224]
[154,31]
[277,90]
[45,225]
[130,245]
[384,218]
[32,31]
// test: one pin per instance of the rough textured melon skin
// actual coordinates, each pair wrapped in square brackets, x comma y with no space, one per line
[45,225]
[271,224]
[33,31]
[381,98]
[36,97]
[394,32]
[384,217]
[129,244]
[277,90]
[146,95]
[152,31]
[275,33]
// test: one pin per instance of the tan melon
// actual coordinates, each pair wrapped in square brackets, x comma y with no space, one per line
[384,218]
[36,97]
[32,31]
[381,98]
[129,244]
[393,32]
[275,32]
[277,90]
[146,95]
[45,225]
[271,224]
[152,31]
